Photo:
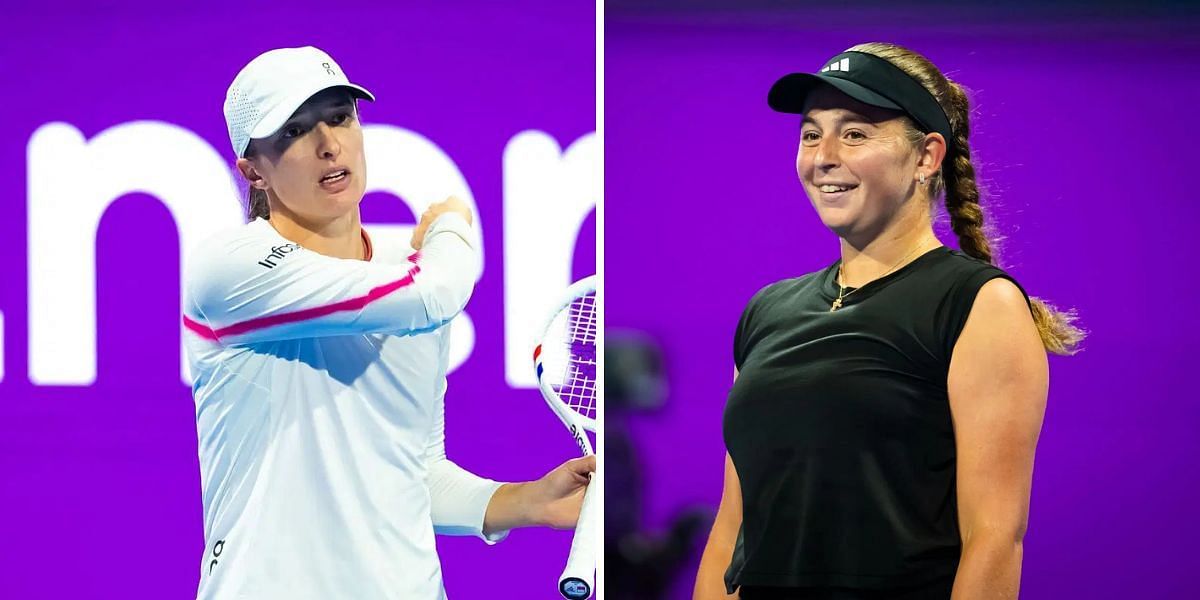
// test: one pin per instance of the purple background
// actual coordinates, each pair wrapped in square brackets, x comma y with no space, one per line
[1083,131]
[100,493]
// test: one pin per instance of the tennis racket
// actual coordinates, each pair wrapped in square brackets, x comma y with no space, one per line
[565,361]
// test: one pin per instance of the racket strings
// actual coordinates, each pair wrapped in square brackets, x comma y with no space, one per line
[578,387]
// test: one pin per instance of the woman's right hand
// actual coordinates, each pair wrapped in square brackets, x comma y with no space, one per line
[435,210]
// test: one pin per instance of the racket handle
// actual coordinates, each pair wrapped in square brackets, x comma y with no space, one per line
[577,579]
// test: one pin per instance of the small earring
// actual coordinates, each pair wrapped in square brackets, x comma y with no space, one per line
[921,179]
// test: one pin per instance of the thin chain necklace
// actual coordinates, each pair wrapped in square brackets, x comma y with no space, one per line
[842,294]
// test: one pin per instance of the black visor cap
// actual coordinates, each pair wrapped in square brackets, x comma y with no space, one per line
[870,80]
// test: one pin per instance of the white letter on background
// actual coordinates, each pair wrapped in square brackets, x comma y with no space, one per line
[72,181]
[548,193]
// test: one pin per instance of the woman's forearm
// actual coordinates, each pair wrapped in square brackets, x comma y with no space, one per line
[509,509]
[710,579]
[990,568]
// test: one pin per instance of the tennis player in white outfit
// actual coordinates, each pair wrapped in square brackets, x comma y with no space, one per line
[319,359]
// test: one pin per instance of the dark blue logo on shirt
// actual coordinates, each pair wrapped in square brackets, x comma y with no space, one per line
[277,254]
[216,553]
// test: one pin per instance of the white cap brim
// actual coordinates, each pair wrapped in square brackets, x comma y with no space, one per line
[277,116]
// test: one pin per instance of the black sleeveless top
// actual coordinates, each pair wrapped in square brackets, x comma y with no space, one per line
[839,427]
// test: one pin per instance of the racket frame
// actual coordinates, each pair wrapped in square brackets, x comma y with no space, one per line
[577,580]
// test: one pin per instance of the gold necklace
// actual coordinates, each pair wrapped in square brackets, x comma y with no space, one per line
[842,289]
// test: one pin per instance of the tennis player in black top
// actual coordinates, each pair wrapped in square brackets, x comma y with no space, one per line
[882,424]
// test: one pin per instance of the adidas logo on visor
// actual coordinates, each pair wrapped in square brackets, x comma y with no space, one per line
[841,65]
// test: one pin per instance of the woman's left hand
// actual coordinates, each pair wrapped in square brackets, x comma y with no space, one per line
[555,499]
[552,501]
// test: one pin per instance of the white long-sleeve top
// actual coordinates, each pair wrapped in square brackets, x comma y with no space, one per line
[319,385]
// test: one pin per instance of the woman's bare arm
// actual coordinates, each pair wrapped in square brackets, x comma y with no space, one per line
[710,580]
[998,384]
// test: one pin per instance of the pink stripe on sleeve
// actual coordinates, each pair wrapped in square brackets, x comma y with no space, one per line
[305,314]
[199,329]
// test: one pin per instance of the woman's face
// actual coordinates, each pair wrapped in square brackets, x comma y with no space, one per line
[855,162]
[300,163]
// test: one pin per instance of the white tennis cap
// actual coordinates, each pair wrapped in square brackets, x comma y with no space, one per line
[267,92]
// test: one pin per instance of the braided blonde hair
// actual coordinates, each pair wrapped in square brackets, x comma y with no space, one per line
[957,179]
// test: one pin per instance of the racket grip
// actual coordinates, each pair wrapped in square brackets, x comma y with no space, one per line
[577,580]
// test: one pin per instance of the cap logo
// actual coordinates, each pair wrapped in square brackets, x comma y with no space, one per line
[841,65]
[328,68]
